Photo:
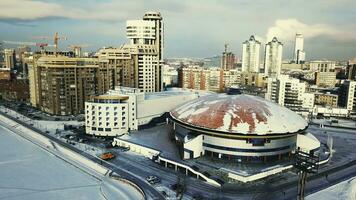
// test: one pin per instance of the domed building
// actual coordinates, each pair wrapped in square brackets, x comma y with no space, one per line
[236,127]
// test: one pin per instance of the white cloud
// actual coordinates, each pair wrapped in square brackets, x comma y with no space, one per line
[107,11]
[285,30]
[34,10]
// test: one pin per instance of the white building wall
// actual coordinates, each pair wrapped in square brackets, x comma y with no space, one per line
[273,57]
[106,119]
[195,145]
[350,96]
[242,144]
[140,31]
[299,48]
[308,101]
[251,55]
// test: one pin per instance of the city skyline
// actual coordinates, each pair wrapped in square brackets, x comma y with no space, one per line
[324,24]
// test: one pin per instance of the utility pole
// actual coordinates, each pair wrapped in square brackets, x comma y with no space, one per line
[305,162]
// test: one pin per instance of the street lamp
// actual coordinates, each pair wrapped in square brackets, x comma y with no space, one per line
[305,162]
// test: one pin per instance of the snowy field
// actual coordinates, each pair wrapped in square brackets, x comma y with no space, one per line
[29,172]
[345,190]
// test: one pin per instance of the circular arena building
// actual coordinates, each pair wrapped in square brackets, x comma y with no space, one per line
[236,127]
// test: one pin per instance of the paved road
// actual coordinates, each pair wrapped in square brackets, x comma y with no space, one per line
[150,192]
[275,187]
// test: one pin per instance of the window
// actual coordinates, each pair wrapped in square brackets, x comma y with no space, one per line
[93,128]
[107,129]
[100,129]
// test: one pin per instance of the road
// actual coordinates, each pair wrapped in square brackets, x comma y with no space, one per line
[282,186]
[150,192]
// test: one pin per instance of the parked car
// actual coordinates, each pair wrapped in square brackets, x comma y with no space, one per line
[107,156]
[153,179]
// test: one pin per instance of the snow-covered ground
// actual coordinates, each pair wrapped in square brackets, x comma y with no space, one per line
[345,190]
[29,172]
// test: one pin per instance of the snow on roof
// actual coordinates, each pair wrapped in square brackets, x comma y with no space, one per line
[243,114]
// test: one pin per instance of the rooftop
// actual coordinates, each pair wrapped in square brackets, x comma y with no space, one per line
[241,114]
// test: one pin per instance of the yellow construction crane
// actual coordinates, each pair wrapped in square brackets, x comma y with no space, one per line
[56,39]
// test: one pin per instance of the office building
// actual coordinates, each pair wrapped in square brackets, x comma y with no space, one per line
[273,57]
[251,55]
[299,54]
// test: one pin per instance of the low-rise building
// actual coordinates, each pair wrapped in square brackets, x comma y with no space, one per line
[126,109]
[322,65]
[5,74]
[289,92]
[326,99]
[325,79]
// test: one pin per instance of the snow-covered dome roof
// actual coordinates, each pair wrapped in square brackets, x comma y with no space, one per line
[241,114]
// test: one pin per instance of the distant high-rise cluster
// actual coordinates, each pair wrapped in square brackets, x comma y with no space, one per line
[60,82]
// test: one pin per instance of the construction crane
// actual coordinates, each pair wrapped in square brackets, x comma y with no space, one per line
[56,39]
[77,48]
[41,45]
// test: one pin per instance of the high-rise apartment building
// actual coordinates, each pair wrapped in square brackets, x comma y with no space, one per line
[216,80]
[146,42]
[251,55]
[116,67]
[289,92]
[9,58]
[299,54]
[273,57]
[347,96]
[351,70]
[60,85]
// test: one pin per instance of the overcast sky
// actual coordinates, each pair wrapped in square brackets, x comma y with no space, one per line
[193,28]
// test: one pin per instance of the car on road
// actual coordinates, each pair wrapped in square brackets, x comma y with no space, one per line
[153,179]
[107,156]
